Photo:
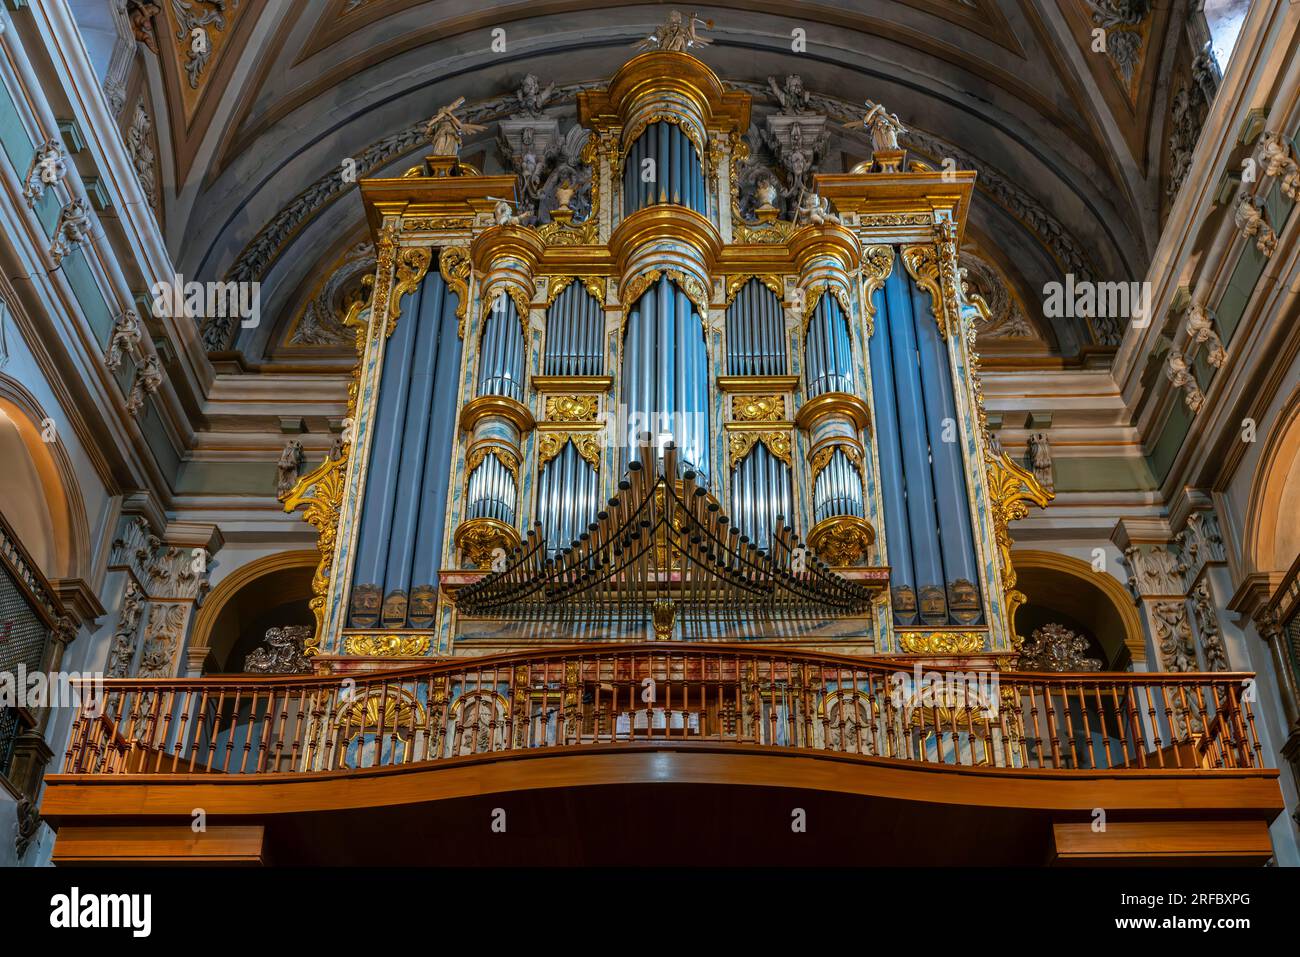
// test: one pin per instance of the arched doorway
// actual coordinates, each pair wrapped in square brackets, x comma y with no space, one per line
[270,592]
[1066,590]
[1272,539]
[38,496]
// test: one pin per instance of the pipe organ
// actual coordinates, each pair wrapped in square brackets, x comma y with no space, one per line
[663,407]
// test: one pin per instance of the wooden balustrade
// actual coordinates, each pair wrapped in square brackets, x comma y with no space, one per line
[668,694]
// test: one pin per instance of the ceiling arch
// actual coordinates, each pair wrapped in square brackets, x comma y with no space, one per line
[293,90]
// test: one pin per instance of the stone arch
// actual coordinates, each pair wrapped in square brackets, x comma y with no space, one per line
[1271,545]
[1068,588]
[40,496]
[227,625]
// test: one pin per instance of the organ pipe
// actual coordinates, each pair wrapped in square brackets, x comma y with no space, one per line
[501,353]
[828,356]
[755,332]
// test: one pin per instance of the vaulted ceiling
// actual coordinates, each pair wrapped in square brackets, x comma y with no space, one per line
[253,131]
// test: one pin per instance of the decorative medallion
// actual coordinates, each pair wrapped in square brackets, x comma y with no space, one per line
[842,540]
[572,408]
[758,408]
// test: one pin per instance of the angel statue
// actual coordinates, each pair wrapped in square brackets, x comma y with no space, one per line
[883,127]
[568,185]
[445,130]
[792,96]
[503,214]
[814,209]
[677,34]
[531,97]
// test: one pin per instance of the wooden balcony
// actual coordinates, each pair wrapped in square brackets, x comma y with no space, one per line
[669,752]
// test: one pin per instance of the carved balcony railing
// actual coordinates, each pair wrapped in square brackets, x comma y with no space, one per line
[671,695]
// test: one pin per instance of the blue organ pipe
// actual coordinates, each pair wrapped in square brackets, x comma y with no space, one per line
[658,323]
[827,352]
[381,482]
[678,173]
[501,353]
[912,433]
[663,165]
[955,534]
[440,440]
[893,487]
[410,472]
[755,332]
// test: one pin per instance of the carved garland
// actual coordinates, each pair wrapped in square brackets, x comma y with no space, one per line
[877,264]
[813,295]
[736,283]
[522,305]
[739,445]
[413,263]
[557,284]
[454,265]
[550,444]
[691,286]
[823,458]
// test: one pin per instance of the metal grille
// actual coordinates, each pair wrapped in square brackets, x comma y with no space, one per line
[23,635]
[22,632]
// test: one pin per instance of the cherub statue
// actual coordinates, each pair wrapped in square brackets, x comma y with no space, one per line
[504,215]
[883,127]
[677,34]
[125,339]
[531,97]
[792,96]
[814,209]
[446,130]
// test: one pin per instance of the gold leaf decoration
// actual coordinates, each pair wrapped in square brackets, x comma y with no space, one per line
[387,646]
[319,494]
[758,408]
[842,540]
[736,283]
[941,642]
[412,264]
[1012,489]
[572,408]
[455,267]
[550,444]
[740,443]
[877,264]
[823,457]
